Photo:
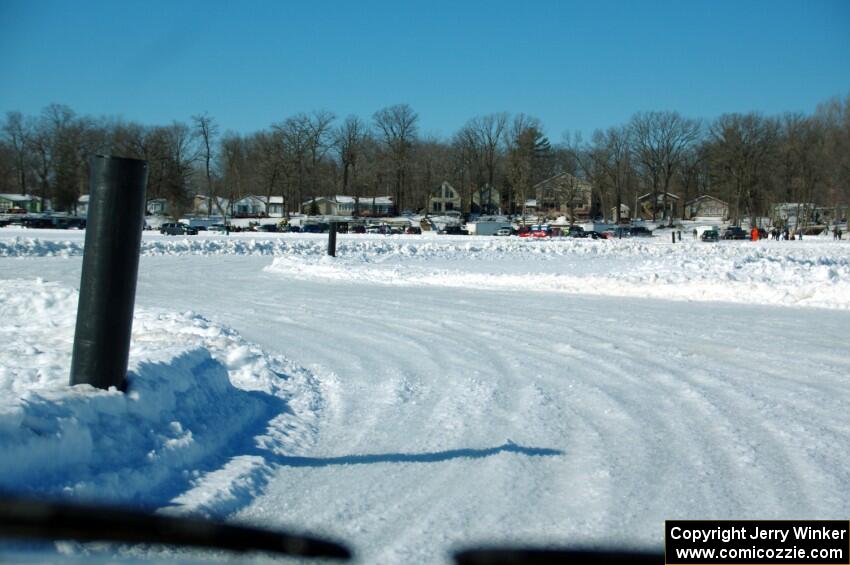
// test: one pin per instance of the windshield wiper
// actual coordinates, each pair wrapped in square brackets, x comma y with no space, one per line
[36,519]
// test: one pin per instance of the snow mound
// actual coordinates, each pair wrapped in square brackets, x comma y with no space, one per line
[201,401]
[813,275]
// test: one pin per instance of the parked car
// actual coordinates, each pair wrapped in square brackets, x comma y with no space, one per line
[357,229]
[596,235]
[735,232]
[640,231]
[541,231]
[413,230]
[574,231]
[177,229]
[710,235]
[269,228]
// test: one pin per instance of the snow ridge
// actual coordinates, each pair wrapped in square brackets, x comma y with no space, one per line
[204,409]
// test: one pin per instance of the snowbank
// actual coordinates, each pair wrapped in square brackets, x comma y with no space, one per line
[201,402]
[815,275]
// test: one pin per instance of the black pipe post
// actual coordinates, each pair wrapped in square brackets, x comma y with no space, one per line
[674,236]
[110,268]
[332,240]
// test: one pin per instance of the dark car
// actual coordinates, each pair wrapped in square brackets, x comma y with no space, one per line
[640,231]
[70,223]
[357,229]
[177,229]
[270,228]
[315,228]
[735,232]
[575,231]
[710,235]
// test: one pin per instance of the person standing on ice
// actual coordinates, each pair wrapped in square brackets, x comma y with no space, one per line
[754,234]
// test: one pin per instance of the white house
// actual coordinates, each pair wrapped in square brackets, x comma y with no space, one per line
[249,207]
[82,208]
[341,205]
[157,207]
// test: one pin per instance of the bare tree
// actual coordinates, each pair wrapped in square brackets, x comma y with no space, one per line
[740,149]
[660,141]
[348,141]
[487,135]
[611,155]
[181,155]
[206,129]
[397,126]
[16,132]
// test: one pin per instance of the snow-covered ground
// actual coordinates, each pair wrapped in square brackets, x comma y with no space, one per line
[419,394]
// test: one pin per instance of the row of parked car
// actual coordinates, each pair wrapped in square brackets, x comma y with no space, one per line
[45,221]
[542,231]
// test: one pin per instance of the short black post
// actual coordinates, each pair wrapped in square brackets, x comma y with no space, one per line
[110,268]
[332,240]
[674,236]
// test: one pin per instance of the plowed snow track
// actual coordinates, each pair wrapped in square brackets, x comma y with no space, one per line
[454,416]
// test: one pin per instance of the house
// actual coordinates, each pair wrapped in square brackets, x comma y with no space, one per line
[444,199]
[274,206]
[31,204]
[319,206]
[364,206]
[661,210]
[624,212]
[486,200]
[807,213]
[565,195]
[201,205]
[349,205]
[707,208]
[249,207]
[82,207]
[157,207]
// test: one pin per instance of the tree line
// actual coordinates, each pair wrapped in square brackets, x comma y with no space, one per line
[751,161]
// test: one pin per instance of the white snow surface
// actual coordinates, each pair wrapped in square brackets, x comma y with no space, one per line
[418,394]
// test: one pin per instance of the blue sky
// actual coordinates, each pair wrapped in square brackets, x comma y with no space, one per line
[575,65]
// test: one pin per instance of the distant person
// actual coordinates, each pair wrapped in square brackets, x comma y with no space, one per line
[695,233]
[754,234]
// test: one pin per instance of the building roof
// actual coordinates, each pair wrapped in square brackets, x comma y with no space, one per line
[660,195]
[438,192]
[561,177]
[706,196]
[340,199]
[18,197]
